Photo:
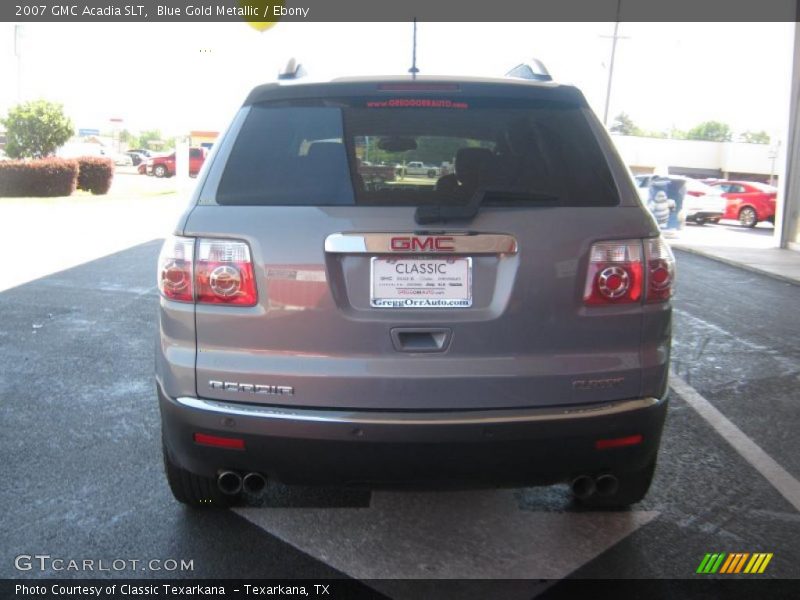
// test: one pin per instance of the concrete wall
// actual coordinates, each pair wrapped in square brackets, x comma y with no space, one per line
[728,157]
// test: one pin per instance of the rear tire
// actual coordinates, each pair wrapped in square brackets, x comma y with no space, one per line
[160,171]
[632,488]
[748,217]
[194,490]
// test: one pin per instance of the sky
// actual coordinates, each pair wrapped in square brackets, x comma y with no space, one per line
[193,76]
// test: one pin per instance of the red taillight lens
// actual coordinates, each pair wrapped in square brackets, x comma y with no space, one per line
[615,273]
[221,273]
[631,440]
[224,273]
[175,273]
[219,442]
[660,270]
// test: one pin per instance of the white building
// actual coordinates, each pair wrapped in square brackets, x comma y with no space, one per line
[724,160]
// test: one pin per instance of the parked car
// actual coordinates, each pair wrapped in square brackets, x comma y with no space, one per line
[145,152]
[701,203]
[416,169]
[164,166]
[375,175]
[136,157]
[748,202]
[120,159]
[510,326]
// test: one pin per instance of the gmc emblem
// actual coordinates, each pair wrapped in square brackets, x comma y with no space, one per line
[424,244]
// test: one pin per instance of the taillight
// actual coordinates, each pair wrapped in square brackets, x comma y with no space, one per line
[221,272]
[660,270]
[175,271]
[631,440]
[224,273]
[219,442]
[615,273]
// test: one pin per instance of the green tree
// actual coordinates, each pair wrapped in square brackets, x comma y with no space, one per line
[710,131]
[151,138]
[624,124]
[754,137]
[677,134]
[126,137]
[36,129]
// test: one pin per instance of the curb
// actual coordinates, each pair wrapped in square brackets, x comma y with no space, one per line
[733,263]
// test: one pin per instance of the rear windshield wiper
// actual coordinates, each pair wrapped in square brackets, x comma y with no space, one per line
[435,213]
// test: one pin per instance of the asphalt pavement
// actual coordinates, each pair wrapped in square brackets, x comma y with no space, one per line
[81,449]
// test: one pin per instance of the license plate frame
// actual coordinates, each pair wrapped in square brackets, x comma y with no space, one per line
[442,292]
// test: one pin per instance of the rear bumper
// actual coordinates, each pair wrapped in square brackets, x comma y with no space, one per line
[501,447]
[706,215]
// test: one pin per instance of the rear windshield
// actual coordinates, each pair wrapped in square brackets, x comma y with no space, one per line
[408,151]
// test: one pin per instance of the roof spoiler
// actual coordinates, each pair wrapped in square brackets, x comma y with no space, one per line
[292,70]
[533,70]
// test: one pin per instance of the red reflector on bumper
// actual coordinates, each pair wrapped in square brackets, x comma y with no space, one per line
[219,442]
[631,440]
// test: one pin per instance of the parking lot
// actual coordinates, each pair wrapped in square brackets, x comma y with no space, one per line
[83,463]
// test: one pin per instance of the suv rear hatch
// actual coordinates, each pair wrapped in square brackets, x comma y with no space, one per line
[362,307]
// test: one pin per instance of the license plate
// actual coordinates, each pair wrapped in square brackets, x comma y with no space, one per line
[421,282]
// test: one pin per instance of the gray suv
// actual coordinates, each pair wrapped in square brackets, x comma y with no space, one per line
[324,321]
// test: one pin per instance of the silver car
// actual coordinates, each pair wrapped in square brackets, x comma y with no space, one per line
[505,324]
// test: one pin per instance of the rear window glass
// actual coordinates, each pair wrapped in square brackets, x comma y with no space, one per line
[410,151]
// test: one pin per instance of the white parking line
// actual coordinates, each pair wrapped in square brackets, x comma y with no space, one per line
[779,477]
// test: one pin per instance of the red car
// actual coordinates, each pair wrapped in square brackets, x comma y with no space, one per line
[748,201]
[164,166]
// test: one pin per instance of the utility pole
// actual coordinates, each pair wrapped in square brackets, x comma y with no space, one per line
[414,70]
[614,39]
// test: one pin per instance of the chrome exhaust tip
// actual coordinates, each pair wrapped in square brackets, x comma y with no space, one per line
[254,483]
[229,482]
[607,485]
[583,486]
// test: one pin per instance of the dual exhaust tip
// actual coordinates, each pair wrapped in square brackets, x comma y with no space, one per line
[585,486]
[231,483]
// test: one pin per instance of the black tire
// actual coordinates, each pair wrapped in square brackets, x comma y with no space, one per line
[431,173]
[194,490]
[632,488]
[700,222]
[748,217]
[160,171]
